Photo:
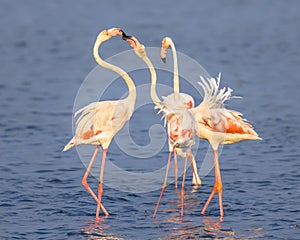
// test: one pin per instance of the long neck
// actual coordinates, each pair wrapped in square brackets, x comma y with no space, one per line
[153,93]
[122,73]
[175,78]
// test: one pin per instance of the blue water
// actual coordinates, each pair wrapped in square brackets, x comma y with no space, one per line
[46,52]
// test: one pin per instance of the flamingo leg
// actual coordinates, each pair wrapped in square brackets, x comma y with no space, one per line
[182,185]
[84,179]
[196,180]
[164,185]
[217,186]
[175,168]
[100,188]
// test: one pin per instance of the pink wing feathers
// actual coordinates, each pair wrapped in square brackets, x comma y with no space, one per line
[212,114]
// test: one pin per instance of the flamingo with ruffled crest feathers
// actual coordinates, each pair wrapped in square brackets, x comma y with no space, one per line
[219,125]
[100,121]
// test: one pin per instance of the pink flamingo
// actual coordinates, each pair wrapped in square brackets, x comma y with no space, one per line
[179,121]
[100,121]
[166,43]
[219,125]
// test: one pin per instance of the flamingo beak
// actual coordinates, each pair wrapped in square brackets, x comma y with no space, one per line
[163,54]
[129,39]
[125,37]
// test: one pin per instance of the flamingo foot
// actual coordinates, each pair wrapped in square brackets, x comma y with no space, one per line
[196,181]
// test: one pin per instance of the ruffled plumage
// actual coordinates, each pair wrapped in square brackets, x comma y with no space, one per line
[211,115]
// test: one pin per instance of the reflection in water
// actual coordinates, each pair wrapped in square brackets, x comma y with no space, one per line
[182,227]
[213,227]
[95,230]
[194,225]
[209,228]
[187,229]
[191,202]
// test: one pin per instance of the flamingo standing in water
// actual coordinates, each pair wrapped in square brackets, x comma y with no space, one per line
[219,125]
[237,128]
[166,43]
[100,121]
[180,122]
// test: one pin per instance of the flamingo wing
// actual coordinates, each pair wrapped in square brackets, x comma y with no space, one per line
[93,119]
[227,121]
[212,116]
[101,117]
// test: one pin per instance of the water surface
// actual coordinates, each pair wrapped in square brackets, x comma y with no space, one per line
[46,52]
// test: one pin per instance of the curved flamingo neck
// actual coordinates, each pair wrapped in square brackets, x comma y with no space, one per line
[153,93]
[122,73]
[175,66]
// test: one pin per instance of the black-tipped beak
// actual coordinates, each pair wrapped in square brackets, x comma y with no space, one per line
[126,37]
[164,59]
[130,39]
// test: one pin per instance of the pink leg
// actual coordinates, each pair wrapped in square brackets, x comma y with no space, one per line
[175,168]
[194,167]
[84,179]
[164,185]
[182,185]
[217,186]
[100,188]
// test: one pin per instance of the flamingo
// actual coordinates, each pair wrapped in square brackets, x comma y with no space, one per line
[219,125]
[100,121]
[180,122]
[166,43]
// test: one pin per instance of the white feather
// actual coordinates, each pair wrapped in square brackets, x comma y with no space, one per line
[215,97]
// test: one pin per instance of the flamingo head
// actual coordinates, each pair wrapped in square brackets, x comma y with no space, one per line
[108,33]
[165,44]
[139,48]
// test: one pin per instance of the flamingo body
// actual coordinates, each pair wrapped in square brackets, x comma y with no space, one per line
[180,122]
[99,122]
[229,129]
[219,125]
[181,131]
